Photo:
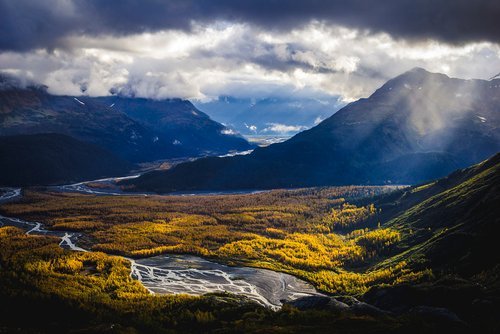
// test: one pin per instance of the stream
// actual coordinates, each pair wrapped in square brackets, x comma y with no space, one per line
[108,187]
[187,274]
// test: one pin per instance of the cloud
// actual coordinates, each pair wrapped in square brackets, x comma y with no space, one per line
[251,127]
[32,24]
[316,61]
[318,120]
[229,132]
[283,128]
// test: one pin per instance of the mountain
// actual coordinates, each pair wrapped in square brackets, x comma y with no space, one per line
[180,123]
[134,129]
[449,226]
[417,126]
[270,116]
[43,159]
[451,223]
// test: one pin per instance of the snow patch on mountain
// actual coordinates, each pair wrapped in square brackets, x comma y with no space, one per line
[229,132]
[79,101]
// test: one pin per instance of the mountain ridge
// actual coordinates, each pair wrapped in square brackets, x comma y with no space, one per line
[417,126]
[450,227]
[43,159]
[31,110]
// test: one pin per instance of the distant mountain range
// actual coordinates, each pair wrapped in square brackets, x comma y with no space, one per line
[44,159]
[134,129]
[416,127]
[270,116]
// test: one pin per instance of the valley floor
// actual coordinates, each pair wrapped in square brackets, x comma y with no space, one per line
[316,234]
[347,241]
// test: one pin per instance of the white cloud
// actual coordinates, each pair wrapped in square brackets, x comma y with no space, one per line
[318,120]
[252,128]
[229,132]
[243,61]
[283,128]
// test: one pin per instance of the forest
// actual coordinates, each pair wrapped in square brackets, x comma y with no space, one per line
[423,253]
[291,231]
[319,234]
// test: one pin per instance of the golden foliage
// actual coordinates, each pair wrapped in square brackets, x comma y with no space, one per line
[281,230]
[357,283]
[98,285]
[349,216]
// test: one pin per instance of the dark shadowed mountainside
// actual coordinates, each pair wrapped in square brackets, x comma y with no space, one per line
[179,123]
[449,226]
[418,126]
[134,129]
[450,223]
[54,158]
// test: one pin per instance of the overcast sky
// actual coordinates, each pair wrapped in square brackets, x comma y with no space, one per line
[201,49]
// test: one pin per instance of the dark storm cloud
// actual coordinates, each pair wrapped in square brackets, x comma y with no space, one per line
[28,24]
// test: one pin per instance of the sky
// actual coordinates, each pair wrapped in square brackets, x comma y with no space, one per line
[254,49]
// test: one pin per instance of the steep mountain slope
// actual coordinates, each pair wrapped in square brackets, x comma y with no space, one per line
[418,126]
[134,129]
[33,110]
[178,122]
[451,227]
[54,158]
[452,222]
